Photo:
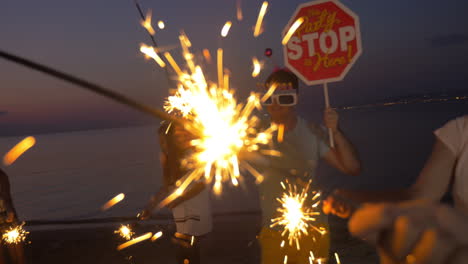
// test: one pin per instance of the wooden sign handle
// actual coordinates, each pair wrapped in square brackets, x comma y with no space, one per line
[327,105]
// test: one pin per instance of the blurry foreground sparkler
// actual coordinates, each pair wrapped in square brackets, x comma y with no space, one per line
[15,234]
[135,240]
[225,129]
[295,217]
[18,150]
[118,198]
[125,232]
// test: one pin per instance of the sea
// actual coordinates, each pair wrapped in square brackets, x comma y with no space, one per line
[69,176]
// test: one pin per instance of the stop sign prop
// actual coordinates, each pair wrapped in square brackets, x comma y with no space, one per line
[327,43]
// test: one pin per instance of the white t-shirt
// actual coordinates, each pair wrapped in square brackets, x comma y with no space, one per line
[454,135]
[193,217]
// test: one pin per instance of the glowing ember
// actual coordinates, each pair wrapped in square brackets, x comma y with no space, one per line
[261,14]
[292,29]
[15,234]
[224,128]
[135,240]
[18,150]
[295,218]
[280,133]
[257,67]
[161,24]
[173,63]
[147,23]
[337,258]
[113,201]
[220,67]
[207,55]
[125,232]
[239,10]
[156,236]
[226,27]
[151,53]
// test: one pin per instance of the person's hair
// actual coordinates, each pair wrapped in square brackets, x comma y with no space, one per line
[283,76]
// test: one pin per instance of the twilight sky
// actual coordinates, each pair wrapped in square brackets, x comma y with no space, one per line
[410,47]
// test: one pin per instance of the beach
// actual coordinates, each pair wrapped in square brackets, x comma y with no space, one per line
[232,241]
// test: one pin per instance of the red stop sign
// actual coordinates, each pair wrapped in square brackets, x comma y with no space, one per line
[327,43]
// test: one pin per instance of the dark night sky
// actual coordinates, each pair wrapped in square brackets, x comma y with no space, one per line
[410,47]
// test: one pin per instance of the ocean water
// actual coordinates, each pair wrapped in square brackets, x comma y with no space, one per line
[69,176]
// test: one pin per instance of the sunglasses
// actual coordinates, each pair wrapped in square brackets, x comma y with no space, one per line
[289,99]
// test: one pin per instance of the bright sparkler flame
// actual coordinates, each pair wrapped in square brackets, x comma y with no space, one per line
[151,53]
[125,232]
[15,234]
[18,150]
[337,258]
[225,30]
[292,29]
[257,67]
[224,127]
[147,23]
[295,218]
[261,14]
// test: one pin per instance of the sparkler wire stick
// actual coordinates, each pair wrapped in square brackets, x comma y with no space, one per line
[90,86]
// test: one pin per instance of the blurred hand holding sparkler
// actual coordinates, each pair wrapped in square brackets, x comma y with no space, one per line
[295,217]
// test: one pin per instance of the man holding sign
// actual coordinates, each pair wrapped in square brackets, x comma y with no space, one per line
[324,42]
[302,145]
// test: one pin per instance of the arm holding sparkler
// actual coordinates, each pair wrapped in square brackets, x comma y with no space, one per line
[431,185]
[414,232]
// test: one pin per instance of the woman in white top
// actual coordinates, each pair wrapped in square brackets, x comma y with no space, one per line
[421,231]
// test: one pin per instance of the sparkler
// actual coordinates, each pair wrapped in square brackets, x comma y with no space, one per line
[135,240]
[224,128]
[261,14]
[125,232]
[18,150]
[161,24]
[118,198]
[337,258]
[15,234]
[295,218]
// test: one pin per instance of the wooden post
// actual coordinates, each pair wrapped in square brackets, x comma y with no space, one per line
[327,105]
